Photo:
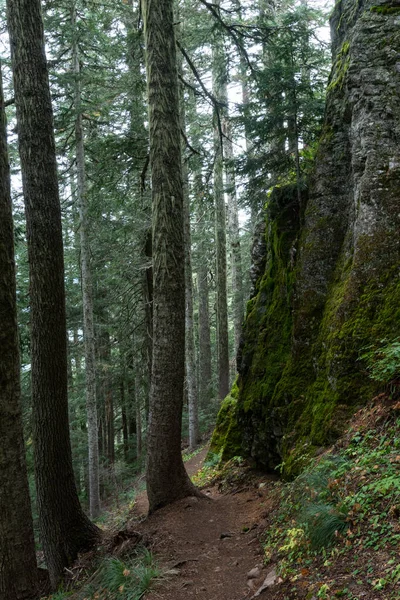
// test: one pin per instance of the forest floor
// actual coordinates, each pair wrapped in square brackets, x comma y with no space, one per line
[210,544]
[334,532]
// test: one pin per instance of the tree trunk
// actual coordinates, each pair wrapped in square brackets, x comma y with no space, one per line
[219,86]
[138,426]
[167,479]
[205,366]
[124,418]
[191,382]
[190,351]
[148,308]
[18,573]
[234,235]
[65,530]
[87,294]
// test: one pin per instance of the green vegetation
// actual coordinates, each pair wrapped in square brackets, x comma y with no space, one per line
[116,579]
[344,506]
[226,438]
[385,10]
[340,67]
[383,362]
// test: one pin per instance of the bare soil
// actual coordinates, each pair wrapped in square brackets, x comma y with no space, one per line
[208,545]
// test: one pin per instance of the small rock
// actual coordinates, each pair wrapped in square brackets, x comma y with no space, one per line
[226,534]
[269,581]
[217,569]
[250,584]
[190,501]
[254,573]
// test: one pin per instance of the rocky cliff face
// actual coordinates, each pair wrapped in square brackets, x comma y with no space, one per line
[330,281]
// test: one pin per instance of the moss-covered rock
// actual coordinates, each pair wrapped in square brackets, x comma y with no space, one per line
[226,439]
[330,283]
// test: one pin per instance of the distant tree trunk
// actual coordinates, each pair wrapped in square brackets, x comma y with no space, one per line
[138,414]
[87,294]
[191,382]
[125,436]
[110,427]
[234,235]
[148,307]
[77,355]
[18,572]
[205,366]
[65,530]
[190,350]
[167,479]
[219,85]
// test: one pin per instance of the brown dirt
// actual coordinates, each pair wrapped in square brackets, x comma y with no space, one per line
[210,544]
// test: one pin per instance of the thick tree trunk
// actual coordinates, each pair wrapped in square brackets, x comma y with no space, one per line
[87,295]
[167,479]
[64,528]
[18,573]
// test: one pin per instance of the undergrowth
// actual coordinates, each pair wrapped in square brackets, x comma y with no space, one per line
[116,579]
[342,515]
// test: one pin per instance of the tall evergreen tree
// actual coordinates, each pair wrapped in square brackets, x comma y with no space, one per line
[18,572]
[64,528]
[219,90]
[167,479]
[87,285]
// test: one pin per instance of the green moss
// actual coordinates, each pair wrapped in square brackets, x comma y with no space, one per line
[301,377]
[268,329]
[385,10]
[226,438]
[340,67]
[355,315]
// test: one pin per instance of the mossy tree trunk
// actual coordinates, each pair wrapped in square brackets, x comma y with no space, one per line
[18,573]
[166,476]
[64,528]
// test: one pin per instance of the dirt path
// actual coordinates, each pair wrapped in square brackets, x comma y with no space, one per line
[211,544]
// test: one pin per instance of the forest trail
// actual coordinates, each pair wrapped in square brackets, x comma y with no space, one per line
[210,545]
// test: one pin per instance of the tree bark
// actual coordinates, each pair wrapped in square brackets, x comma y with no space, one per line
[190,350]
[205,365]
[87,292]
[167,479]
[219,85]
[18,573]
[64,528]
[234,235]
[190,362]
